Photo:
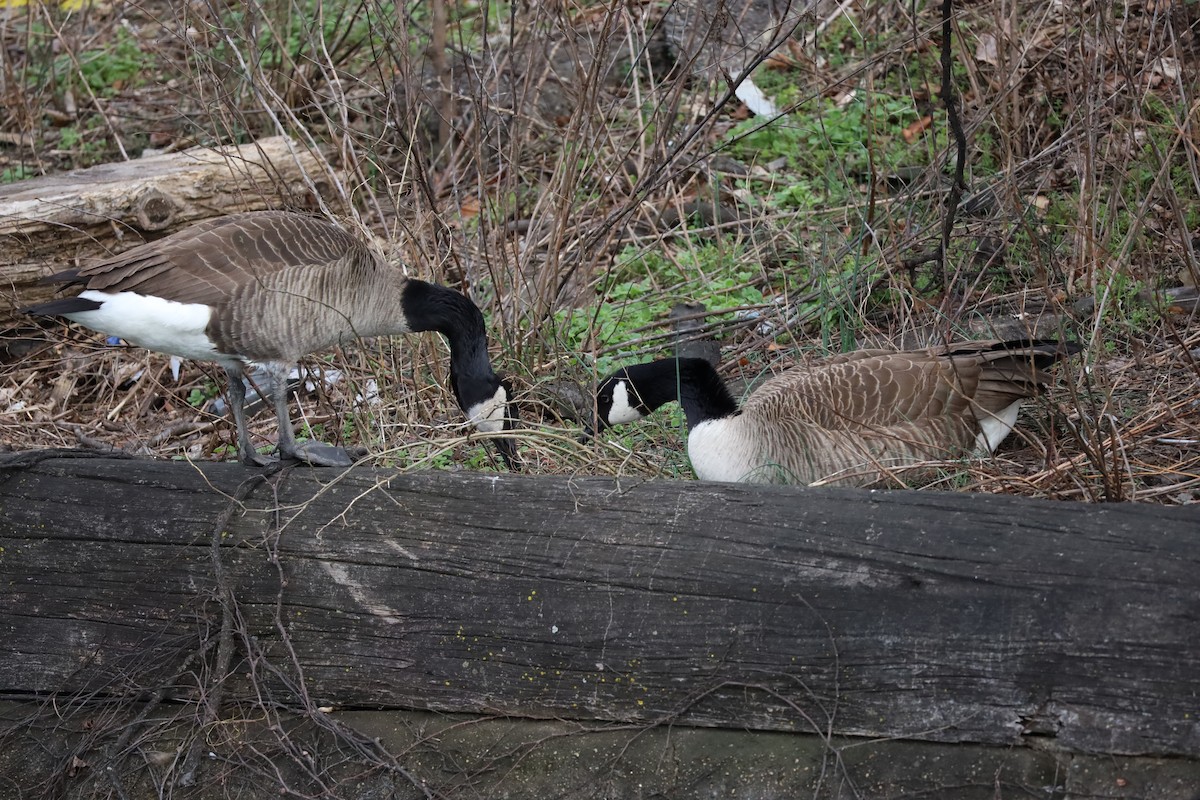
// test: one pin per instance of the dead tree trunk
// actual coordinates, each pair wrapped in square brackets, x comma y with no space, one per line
[947,617]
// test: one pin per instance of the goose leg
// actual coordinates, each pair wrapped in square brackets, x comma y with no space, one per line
[237,403]
[311,452]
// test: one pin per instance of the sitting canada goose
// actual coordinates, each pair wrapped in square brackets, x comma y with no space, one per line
[269,287]
[849,421]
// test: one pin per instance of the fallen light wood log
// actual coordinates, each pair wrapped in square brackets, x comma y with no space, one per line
[917,615]
[52,222]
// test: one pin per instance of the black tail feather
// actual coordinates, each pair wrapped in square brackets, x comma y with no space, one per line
[1042,352]
[65,305]
[66,277]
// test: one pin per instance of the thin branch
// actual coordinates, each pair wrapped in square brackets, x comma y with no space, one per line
[950,101]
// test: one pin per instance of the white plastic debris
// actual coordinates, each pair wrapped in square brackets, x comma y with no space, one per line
[755,100]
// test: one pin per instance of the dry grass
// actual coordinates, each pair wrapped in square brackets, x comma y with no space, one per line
[541,167]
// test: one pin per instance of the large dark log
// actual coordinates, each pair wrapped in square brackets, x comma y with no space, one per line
[920,615]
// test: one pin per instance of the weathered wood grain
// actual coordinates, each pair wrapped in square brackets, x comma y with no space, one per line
[930,616]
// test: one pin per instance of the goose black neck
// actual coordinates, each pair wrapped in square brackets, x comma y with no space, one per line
[692,381]
[431,307]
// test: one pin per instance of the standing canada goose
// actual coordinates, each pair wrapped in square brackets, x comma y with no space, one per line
[266,288]
[852,420]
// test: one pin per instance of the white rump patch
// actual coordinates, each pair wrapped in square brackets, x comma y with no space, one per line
[178,329]
[995,427]
[622,410]
[488,416]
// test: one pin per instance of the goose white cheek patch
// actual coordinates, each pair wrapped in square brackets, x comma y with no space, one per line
[488,415]
[622,410]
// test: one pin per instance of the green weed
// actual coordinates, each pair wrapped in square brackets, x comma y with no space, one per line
[645,284]
[289,35]
[105,70]
[833,146]
[198,396]
[18,172]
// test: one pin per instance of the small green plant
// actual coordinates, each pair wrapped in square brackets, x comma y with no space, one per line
[645,284]
[1124,304]
[105,71]
[199,395]
[799,195]
[18,172]
[224,451]
[829,143]
[69,138]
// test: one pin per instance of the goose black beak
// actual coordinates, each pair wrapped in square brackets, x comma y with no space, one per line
[508,454]
[507,447]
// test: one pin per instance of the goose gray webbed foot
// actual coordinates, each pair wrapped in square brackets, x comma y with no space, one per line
[315,454]
[251,458]
[318,454]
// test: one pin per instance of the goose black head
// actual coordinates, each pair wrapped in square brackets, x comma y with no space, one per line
[632,392]
[489,405]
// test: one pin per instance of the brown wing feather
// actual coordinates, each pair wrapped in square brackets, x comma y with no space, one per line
[208,262]
[280,284]
[871,389]
[878,390]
